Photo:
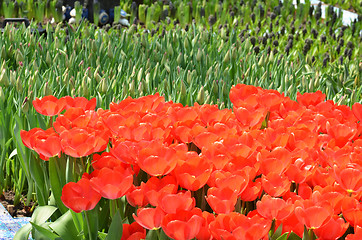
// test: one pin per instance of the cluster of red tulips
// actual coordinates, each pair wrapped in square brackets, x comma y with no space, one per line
[205,173]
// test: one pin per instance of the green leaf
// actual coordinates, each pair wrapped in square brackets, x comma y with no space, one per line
[294,236]
[56,185]
[42,232]
[283,237]
[277,233]
[116,228]
[42,214]
[152,234]
[305,234]
[65,228]
[23,232]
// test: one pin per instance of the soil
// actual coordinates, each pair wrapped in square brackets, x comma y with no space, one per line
[7,200]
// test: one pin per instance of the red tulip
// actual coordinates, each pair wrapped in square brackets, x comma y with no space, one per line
[45,143]
[275,185]
[149,218]
[49,105]
[310,99]
[155,187]
[80,196]
[171,203]
[80,102]
[333,230]
[357,234]
[157,159]
[78,142]
[136,197]
[274,208]
[183,225]
[234,226]
[112,183]
[352,211]
[349,177]
[194,172]
[311,215]
[221,200]
[133,231]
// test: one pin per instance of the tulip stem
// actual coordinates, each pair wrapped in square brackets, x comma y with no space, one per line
[88,226]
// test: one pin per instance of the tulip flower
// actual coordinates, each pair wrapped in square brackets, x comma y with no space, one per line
[221,200]
[133,231]
[45,143]
[80,196]
[171,203]
[112,183]
[238,226]
[274,208]
[49,105]
[183,225]
[155,187]
[149,218]
[80,102]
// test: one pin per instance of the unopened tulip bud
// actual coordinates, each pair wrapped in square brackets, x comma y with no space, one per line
[180,59]
[46,90]
[103,85]
[189,77]
[183,89]
[140,75]
[2,95]
[215,88]
[13,78]
[19,85]
[201,96]
[48,59]
[227,57]
[199,55]
[4,79]
[132,88]
[25,106]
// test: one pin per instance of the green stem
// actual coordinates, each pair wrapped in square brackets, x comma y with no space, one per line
[88,226]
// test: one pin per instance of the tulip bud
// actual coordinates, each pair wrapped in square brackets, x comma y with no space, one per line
[215,88]
[85,89]
[19,85]
[165,85]
[227,57]
[182,89]
[3,52]
[199,55]
[46,90]
[169,50]
[201,96]
[25,106]
[4,80]
[103,85]
[13,78]
[2,95]
[180,59]
[132,88]
[167,67]
[148,79]
[110,51]
[48,59]
[189,77]
[225,90]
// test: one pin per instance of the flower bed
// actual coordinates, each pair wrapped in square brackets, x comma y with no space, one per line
[271,166]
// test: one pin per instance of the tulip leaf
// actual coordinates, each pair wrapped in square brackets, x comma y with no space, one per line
[277,233]
[56,185]
[283,237]
[116,228]
[294,236]
[42,232]
[65,227]
[42,214]
[23,232]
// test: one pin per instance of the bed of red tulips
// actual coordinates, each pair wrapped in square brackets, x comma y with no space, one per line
[200,172]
